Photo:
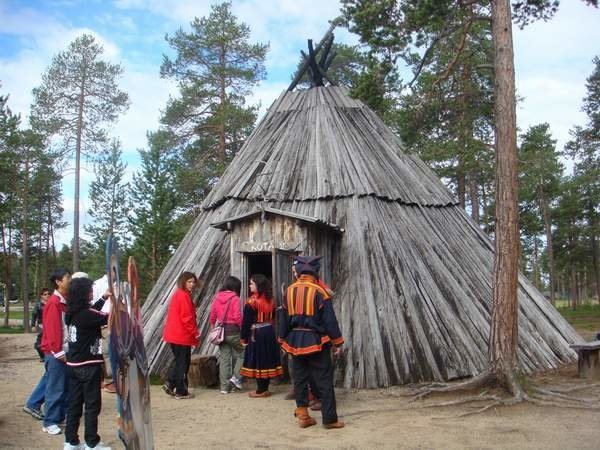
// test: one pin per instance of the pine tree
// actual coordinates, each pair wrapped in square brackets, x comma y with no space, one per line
[154,208]
[216,68]
[109,197]
[9,177]
[78,94]
[584,148]
[540,174]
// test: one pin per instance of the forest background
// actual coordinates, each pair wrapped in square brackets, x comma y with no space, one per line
[434,87]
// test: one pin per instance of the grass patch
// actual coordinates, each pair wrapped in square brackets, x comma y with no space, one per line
[155,380]
[585,317]
[12,314]
[11,330]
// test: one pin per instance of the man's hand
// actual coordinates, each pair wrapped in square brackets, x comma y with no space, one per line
[337,351]
[62,358]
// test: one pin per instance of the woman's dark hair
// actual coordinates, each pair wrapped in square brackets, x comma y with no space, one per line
[79,295]
[44,290]
[263,285]
[58,275]
[184,277]
[232,284]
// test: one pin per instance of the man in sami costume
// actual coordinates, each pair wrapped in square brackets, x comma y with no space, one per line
[307,330]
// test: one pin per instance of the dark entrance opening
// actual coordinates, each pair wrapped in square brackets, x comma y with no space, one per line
[259,263]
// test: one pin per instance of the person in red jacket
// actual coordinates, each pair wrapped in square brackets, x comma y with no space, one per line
[54,346]
[181,332]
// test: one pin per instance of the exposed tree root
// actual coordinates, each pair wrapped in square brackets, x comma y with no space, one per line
[484,379]
[534,394]
[576,388]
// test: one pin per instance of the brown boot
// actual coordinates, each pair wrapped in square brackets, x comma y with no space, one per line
[304,420]
[255,394]
[331,426]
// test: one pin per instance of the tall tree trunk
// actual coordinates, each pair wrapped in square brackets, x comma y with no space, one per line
[460,186]
[7,244]
[503,330]
[549,246]
[79,132]
[485,208]
[573,295]
[595,256]
[51,231]
[222,99]
[38,260]
[474,195]
[536,265]
[25,247]
[153,263]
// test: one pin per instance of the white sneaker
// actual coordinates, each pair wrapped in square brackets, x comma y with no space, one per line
[52,429]
[224,392]
[236,382]
[72,447]
[99,446]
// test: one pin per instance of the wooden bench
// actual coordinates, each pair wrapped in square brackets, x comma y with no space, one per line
[588,359]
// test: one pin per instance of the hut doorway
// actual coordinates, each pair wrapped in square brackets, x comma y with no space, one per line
[257,263]
[276,265]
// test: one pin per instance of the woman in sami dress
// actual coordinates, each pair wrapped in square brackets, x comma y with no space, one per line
[261,355]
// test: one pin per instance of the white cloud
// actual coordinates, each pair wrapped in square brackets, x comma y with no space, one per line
[148,93]
[552,61]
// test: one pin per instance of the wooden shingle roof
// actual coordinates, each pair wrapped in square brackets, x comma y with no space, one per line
[321,144]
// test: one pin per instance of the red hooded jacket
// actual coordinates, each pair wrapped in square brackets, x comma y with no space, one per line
[54,338]
[181,327]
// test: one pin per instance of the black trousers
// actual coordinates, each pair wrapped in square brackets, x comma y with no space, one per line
[316,369]
[179,369]
[262,385]
[38,346]
[84,388]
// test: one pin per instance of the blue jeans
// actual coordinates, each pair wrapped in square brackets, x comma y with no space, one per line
[57,391]
[36,398]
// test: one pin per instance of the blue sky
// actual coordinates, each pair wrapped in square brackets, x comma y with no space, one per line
[552,59]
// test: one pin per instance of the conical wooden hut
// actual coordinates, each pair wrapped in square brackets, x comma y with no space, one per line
[322,174]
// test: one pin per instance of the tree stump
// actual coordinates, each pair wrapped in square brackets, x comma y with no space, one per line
[203,371]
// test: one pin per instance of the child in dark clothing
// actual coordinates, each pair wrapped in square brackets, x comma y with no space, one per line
[84,364]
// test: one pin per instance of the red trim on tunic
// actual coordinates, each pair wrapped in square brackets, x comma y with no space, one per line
[261,373]
[305,350]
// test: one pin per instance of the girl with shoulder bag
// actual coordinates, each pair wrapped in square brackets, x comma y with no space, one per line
[226,309]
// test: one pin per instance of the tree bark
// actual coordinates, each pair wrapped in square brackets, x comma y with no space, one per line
[503,329]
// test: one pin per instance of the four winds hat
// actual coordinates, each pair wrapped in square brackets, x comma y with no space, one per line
[307,264]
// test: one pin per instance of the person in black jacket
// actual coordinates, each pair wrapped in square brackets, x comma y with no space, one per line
[84,363]
[36,320]
[308,329]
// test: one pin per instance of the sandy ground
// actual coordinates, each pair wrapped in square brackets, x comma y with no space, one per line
[374,418]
